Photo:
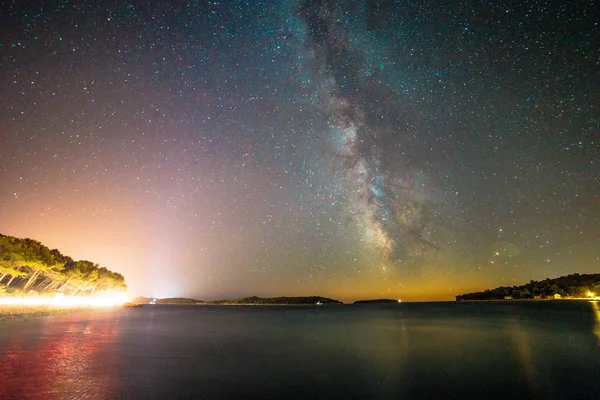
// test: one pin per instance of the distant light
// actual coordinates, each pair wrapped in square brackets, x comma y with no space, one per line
[399,301]
[590,294]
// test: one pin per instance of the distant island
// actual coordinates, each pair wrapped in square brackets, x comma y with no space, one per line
[169,300]
[29,267]
[254,300]
[376,301]
[570,286]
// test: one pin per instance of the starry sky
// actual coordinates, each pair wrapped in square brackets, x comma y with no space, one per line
[350,149]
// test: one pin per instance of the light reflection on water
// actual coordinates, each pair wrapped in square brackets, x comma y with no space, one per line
[596,309]
[55,358]
[521,338]
[408,351]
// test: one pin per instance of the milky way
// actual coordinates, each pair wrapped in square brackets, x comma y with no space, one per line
[398,215]
[351,149]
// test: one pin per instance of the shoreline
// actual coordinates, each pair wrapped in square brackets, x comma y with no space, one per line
[20,313]
[523,300]
[259,304]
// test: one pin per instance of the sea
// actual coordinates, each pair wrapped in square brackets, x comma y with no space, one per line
[471,350]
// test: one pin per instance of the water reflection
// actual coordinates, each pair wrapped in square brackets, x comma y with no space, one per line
[492,351]
[596,309]
[522,340]
[59,357]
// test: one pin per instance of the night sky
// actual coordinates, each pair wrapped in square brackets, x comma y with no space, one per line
[356,149]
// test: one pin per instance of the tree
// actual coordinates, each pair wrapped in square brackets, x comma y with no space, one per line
[33,265]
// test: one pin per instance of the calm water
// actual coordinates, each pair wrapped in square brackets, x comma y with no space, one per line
[537,350]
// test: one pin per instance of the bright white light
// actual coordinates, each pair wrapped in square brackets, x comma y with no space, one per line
[66,301]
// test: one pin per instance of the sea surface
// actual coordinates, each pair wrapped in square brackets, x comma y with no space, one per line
[492,350]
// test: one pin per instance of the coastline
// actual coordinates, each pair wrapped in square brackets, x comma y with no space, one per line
[530,300]
[14,312]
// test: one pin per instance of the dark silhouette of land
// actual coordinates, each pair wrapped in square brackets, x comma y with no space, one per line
[376,301]
[254,300]
[570,286]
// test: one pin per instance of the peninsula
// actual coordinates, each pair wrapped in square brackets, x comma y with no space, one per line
[571,286]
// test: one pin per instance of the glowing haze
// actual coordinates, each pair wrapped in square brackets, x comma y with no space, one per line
[410,150]
[66,301]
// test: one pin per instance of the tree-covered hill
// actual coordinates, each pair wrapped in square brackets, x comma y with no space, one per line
[28,266]
[574,285]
